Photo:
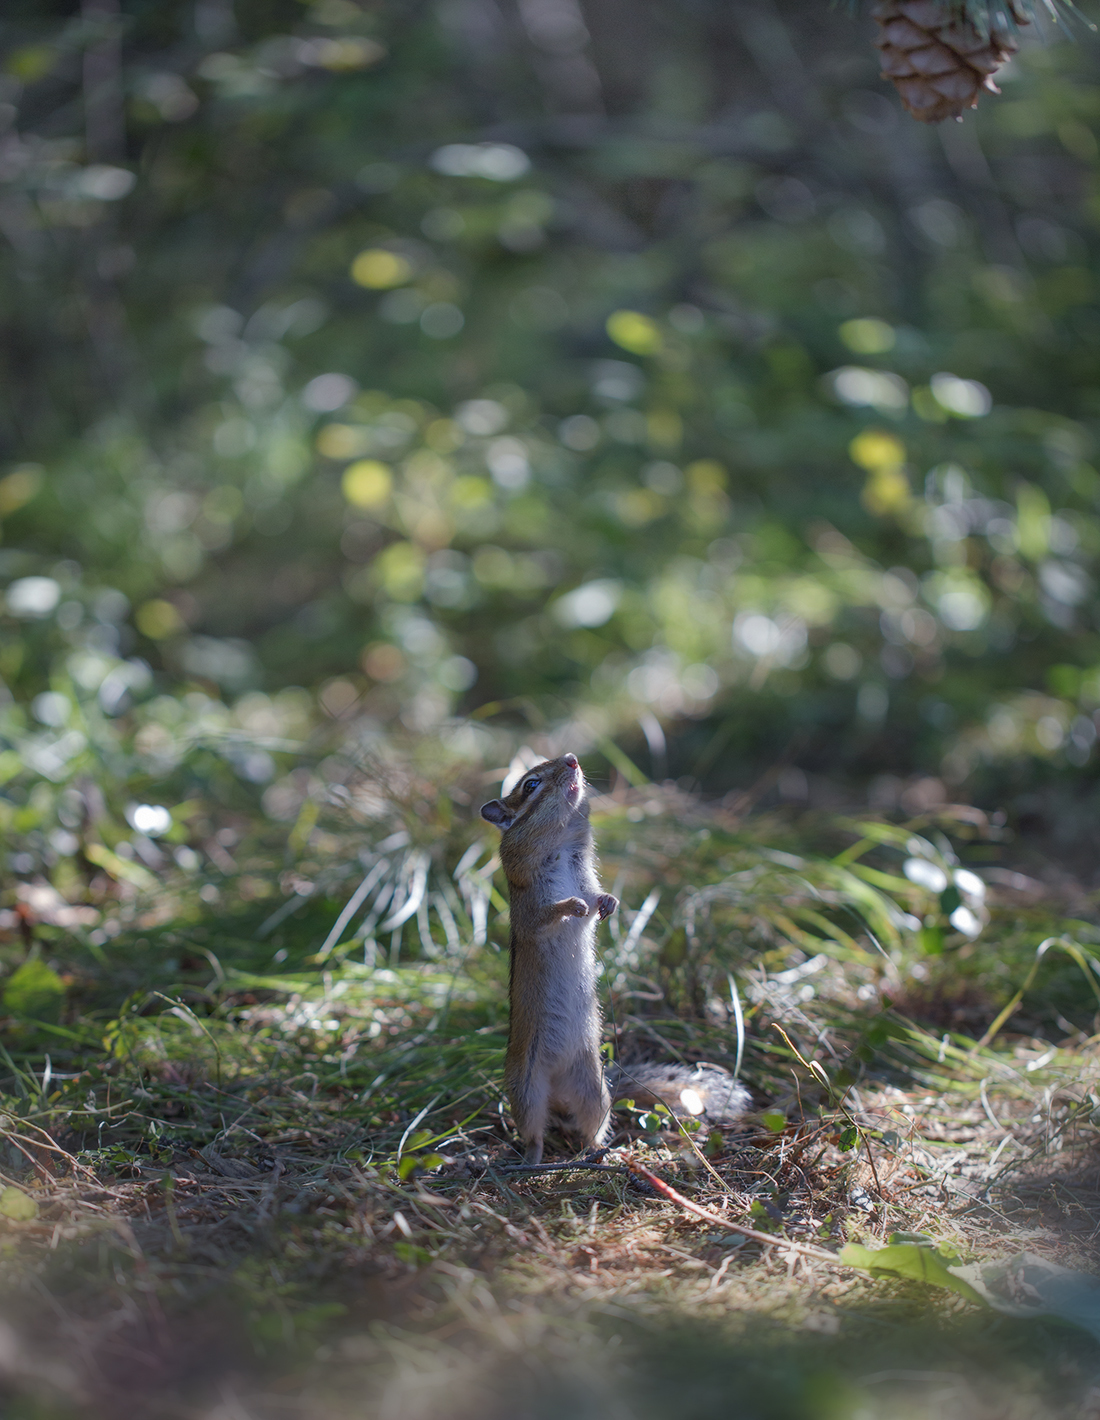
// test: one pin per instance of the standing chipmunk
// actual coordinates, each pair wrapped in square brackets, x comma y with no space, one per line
[552,1067]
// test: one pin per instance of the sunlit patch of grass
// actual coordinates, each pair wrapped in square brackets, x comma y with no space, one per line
[279,1118]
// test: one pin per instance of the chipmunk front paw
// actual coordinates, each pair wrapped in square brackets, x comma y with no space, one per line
[575,907]
[606,904]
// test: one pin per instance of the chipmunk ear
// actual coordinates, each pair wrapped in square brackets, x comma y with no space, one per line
[495,812]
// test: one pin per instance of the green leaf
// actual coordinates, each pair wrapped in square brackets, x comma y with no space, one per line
[774,1120]
[11,764]
[121,869]
[950,898]
[413,1255]
[675,949]
[32,62]
[849,1138]
[17,1205]
[413,1163]
[1030,1286]
[34,990]
[761,1218]
[1024,1286]
[931,941]
[918,1261]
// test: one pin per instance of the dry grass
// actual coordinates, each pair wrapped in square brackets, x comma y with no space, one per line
[285,1187]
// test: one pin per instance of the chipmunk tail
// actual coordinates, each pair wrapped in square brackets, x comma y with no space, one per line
[700,1090]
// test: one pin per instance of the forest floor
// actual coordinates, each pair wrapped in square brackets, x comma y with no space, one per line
[255,1167]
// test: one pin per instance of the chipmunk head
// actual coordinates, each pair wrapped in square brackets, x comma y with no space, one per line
[553,793]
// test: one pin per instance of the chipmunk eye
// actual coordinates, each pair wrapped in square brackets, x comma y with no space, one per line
[530,785]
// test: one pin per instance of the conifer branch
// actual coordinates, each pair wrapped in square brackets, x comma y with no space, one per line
[1005,16]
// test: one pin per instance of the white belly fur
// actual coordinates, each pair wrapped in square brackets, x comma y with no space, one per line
[567,961]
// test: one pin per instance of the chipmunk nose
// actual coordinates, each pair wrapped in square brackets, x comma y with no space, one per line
[571,760]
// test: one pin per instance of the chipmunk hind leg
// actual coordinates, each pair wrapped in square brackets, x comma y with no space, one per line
[579,1098]
[528,1087]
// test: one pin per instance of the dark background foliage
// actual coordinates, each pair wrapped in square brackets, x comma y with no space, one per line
[643,368]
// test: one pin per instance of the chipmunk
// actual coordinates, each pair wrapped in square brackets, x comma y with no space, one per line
[552,1068]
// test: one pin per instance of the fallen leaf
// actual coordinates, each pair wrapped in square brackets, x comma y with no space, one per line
[17,1205]
[919,1261]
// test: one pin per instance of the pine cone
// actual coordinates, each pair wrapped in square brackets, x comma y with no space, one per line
[939,61]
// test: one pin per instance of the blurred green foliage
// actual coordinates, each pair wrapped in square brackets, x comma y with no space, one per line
[651,374]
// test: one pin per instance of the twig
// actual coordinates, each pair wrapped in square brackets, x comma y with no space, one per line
[557,1168]
[666,1189]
